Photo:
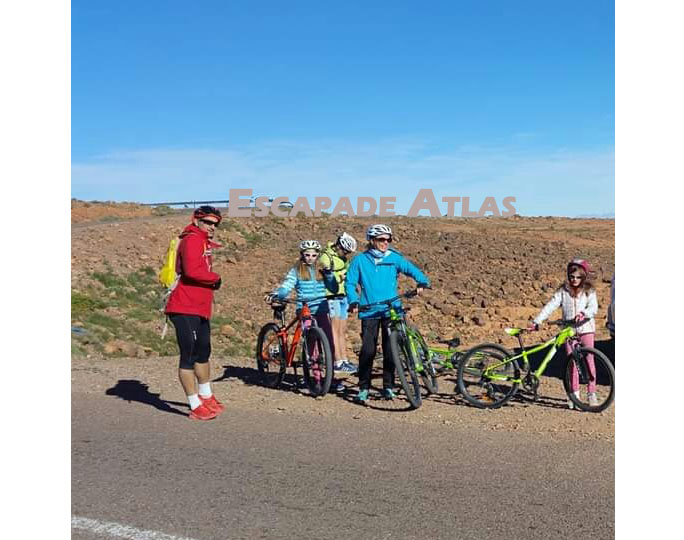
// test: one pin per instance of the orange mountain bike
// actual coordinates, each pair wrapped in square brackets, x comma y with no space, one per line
[275,353]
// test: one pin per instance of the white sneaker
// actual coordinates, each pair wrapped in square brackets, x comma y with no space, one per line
[571,405]
[593,399]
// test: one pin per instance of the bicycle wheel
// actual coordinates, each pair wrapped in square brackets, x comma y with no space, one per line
[317,363]
[404,362]
[597,376]
[428,374]
[484,377]
[270,356]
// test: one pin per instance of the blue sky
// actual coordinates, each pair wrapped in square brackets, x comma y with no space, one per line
[178,101]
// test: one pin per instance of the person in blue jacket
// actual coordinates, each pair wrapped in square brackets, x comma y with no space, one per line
[375,273]
[305,279]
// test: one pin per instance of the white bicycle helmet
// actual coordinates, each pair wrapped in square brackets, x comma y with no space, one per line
[309,244]
[377,230]
[347,242]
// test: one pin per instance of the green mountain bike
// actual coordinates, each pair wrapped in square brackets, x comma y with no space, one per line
[488,378]
[446,358]
[410,353]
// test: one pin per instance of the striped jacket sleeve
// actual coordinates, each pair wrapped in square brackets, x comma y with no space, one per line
[287,285]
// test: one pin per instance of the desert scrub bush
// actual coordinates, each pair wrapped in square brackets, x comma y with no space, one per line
[162,210]
[77,349]
[143,280]
[109,279]
[127,309]
[110,219]
[253,239]
[111,326]
[81,303]
[132,314]
[143,314]
[237,348]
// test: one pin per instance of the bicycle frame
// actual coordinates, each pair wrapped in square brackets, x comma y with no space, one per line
[552,344]
[398,323]
[283,332]
[444,356]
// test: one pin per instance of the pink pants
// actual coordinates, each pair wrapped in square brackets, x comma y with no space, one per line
[587,340]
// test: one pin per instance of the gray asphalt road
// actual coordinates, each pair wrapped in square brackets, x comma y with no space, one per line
[271,475]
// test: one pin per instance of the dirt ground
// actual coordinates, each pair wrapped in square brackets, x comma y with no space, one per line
[154,380]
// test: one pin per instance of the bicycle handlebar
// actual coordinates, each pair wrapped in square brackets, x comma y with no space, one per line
[390,301]
[558,322]
[281,302]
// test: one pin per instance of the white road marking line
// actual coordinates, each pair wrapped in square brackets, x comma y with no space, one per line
[120,531]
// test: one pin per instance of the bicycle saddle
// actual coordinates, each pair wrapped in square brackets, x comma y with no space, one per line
[452,343]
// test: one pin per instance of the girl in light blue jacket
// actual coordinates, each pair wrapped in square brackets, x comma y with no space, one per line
[311,285]
[304,278]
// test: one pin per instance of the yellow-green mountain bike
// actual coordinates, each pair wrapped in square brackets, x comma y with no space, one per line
[488,378]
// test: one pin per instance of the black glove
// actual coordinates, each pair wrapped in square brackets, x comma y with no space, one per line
[216,286]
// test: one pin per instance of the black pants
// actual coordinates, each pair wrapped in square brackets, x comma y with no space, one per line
[369,344]
[194,339]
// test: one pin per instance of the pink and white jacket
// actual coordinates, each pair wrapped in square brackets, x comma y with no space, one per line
[571,306]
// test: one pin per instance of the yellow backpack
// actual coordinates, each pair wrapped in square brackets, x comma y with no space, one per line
[167,274]
[168,278]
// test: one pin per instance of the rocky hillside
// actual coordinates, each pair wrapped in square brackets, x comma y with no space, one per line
[487,273]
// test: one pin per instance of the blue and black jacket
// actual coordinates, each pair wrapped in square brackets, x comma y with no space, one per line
[377,277]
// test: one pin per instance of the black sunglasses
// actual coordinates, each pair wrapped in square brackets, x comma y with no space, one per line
[209,222]
[574,276]
[384,239]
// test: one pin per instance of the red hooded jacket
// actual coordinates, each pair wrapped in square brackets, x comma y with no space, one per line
[194,293]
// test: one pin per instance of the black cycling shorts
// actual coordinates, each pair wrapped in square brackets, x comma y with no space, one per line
[194,339]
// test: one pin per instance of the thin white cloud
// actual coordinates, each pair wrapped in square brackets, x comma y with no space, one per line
[555,182]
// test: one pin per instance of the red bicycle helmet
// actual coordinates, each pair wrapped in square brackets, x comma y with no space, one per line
[206,210]
[582,263]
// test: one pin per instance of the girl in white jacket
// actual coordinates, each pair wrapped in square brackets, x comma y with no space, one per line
[577,299]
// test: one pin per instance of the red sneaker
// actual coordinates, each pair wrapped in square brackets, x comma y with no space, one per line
[202,413]
[213,404]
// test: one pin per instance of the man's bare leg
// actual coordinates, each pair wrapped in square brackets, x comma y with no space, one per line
[188,380]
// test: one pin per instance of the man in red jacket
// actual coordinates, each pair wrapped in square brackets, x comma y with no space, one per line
[189,308]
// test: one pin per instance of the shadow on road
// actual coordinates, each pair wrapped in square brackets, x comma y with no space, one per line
[252,377]
[132,390]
